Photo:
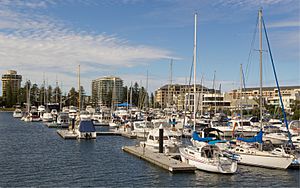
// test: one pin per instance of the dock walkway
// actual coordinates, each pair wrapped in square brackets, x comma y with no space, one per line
[66,134]
[159,159]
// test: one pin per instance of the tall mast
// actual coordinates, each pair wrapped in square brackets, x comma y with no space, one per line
[79,90]
[131,94]
[194,60]
[241,93]
[56,92]
[260,66]
[60,100]
[201,97]
[146,97]
[44,88]
[215,93]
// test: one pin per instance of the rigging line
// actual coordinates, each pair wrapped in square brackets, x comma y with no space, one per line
[279,93]
[251,48]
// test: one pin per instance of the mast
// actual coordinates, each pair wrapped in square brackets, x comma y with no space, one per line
[260,65]
[146,100]
[60,101]
[79,90]
[201,97]
[131,94]
[44,88]
[194,61]
[215,93]
[241,93]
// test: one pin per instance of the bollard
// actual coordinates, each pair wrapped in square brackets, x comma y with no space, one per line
[73,123]
[161,139]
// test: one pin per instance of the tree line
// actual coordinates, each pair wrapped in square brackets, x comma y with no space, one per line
[41,95]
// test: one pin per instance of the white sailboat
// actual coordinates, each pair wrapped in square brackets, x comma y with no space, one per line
[205,156]
[250,154]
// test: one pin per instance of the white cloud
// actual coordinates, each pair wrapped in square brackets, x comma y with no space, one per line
[34,43]
[295,23]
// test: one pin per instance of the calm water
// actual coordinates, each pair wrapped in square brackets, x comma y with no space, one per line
[33,155]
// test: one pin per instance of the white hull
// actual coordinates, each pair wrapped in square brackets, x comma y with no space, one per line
[210,165]
[87,135]
[265,161]
[17,115]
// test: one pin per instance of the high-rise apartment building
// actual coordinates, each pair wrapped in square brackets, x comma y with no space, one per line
[107,90]
[11,83]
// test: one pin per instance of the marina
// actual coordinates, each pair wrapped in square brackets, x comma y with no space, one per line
[157,94]
[35,149]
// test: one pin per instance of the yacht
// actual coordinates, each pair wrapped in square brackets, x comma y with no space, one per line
[63,119]
[171,142]
[18,113]
[101,118]
[47,117]
[85,129]
[72,112]
[142,128]
[276,138]
[41,110]
[237,127]
[294,127]
[85,115]
[209,158]
[34,114]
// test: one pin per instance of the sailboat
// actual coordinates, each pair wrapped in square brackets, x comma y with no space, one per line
[250,154]
[205,156]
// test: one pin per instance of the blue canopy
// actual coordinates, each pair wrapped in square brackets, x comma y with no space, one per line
[213,142]
[198,138]
[125,104]
[86,126]
[257,138]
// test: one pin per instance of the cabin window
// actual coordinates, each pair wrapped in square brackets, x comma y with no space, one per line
[151,137]
[192,153]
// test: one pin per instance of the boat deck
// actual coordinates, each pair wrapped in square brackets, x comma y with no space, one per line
[159,159]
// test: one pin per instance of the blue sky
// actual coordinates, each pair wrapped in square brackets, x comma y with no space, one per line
[128,37]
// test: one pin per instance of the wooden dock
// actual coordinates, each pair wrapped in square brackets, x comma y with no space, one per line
[55,125]
[127,135]
[159,159]
[66,134]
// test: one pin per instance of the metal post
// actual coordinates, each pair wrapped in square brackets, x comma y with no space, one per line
[161,139]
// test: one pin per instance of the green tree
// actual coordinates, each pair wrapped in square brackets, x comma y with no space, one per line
[72,97]
[296,110]
[152,100]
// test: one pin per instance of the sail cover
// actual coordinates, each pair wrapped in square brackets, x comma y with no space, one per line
[86,126]
[198,138]
[257,138]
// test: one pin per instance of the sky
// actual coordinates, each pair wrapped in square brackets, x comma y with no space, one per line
[128,38]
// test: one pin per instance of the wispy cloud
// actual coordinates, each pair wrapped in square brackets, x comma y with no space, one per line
[295,23]
[36,43]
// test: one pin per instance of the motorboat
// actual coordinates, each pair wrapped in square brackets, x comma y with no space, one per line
[276,138]
[142,128]
[18,113]
[237,127]
[47,117]
[171,142]
[275,122]
[72,112]
[294,127]
[209,158]
[41,110]
[34,115]
[63,119]
[101,118]
[85,115]
[85,129]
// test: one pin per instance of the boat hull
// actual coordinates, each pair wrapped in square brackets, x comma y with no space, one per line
[265,161]
[228,167]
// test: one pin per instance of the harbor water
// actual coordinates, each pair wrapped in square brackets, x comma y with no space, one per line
[33,155]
